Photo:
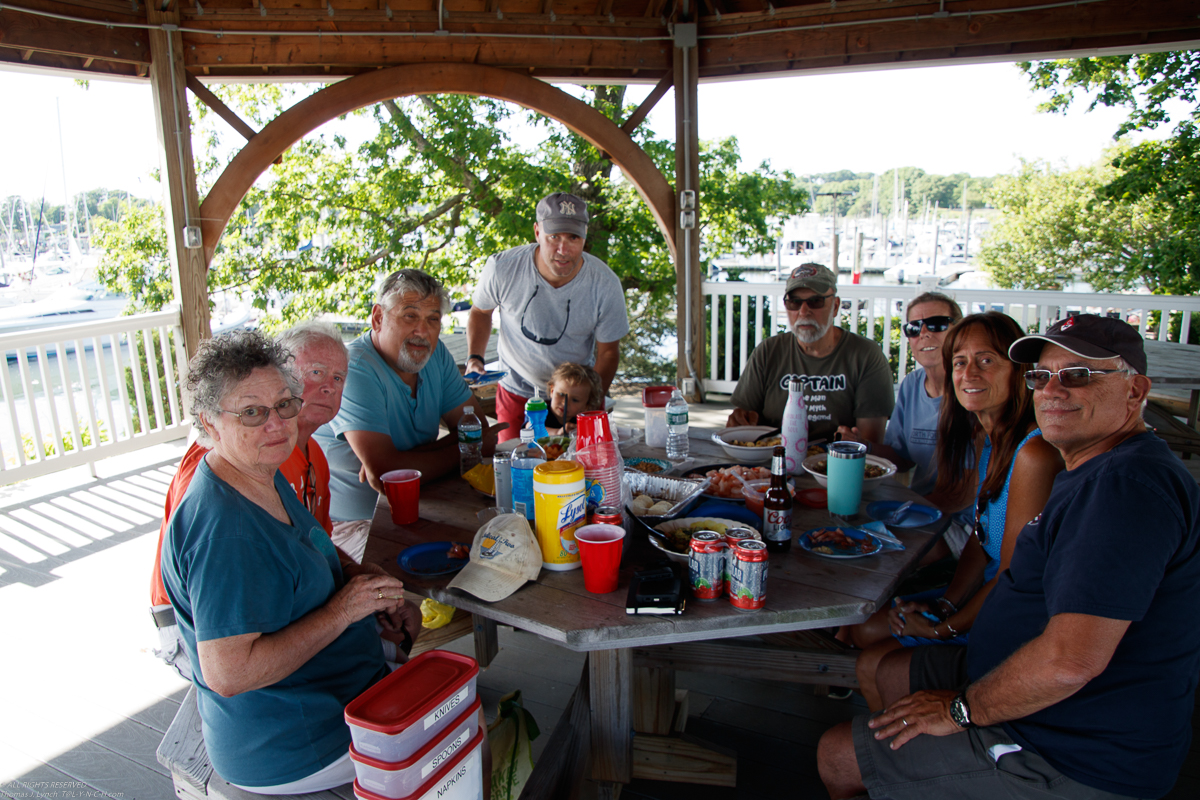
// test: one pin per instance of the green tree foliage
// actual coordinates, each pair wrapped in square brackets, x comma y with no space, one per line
[440,186]
[920,188]
[1160,179]
[1057,226]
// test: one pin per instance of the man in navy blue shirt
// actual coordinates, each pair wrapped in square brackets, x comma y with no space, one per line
[1079,680]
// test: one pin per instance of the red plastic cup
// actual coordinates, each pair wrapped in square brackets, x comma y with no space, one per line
[592,427]
[600,553]
[403,490]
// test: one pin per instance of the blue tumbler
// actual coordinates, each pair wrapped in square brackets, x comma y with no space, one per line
[844,467]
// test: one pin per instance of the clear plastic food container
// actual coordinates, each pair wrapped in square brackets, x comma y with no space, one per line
[402,713]
[461,779]
[403,778]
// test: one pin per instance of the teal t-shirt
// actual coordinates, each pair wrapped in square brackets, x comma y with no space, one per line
[230,568]
[377,400]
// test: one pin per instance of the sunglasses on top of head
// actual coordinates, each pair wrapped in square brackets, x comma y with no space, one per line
[815,302]
[1069,377]
[912,328]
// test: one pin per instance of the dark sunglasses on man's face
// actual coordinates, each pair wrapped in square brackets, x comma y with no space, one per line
[1069,377]
[814,302]
[912,328]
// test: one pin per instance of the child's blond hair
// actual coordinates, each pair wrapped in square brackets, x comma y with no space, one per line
[578,375]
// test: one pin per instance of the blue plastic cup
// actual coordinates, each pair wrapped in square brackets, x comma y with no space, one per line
[845,466]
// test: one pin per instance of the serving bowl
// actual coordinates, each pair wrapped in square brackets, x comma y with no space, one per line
[693,523]
[810,464]
[744,433]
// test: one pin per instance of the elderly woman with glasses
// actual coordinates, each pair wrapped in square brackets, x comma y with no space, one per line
[987,409]
[281,639]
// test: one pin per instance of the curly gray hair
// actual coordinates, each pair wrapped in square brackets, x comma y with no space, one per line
[224,361]
[403,281]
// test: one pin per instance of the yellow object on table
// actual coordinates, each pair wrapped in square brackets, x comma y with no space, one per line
[482,477]
[434,614]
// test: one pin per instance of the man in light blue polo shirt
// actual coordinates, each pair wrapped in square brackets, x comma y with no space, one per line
[400,384]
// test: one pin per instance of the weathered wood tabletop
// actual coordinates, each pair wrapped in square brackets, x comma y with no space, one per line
[1172,366]
[803,591]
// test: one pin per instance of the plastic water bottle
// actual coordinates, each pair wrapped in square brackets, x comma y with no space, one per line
[527,456]
[677,427]
[535,415]
[794,430]
[470,440]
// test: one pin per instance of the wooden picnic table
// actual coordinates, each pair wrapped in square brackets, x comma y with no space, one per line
[1172,365]
[804,591]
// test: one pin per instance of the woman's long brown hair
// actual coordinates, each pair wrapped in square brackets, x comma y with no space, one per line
[958,428]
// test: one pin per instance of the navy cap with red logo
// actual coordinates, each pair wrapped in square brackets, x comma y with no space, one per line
[1086,335]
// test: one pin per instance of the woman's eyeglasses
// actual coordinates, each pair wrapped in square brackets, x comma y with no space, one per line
[254,416]
[1069,377]
[912,328]
[814,302]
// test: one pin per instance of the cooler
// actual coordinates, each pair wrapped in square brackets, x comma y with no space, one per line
[408,709]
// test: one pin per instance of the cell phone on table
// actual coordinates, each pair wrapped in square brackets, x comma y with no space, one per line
[657,589]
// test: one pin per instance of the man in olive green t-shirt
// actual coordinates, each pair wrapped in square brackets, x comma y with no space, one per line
[847,380]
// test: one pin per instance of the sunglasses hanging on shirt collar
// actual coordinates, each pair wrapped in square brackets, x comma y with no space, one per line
[533,337]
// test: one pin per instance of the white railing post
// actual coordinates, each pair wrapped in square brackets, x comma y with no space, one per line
[1029,308]
[37,410]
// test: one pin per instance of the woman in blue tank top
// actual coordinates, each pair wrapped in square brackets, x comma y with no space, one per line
[988,408]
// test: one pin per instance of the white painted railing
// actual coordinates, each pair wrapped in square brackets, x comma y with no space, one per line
[66,392]
[757,312]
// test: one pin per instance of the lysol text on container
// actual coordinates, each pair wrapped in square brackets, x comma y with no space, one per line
[706,565]
[748,575]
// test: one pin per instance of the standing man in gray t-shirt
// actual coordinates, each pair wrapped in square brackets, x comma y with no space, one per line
[557,304]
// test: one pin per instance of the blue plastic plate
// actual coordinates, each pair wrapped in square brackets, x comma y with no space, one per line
[916,517]
[430,559]
[873,545]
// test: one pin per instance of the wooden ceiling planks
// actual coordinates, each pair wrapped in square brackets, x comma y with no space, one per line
[583,39]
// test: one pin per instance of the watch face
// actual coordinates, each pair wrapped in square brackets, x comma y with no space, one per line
[959,712]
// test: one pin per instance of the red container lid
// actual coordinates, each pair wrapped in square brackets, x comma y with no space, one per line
[396,766]
[656,396]
[433,781]
[408,694]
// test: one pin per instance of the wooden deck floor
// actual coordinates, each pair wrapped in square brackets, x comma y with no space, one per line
[85,703]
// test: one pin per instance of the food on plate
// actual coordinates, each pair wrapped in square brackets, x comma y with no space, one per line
[834,541]
[644,505]
[814,450]
[649,467]
[869,470]
[482,477]
[458,551]
[774,440]
[725,482]
[554,446]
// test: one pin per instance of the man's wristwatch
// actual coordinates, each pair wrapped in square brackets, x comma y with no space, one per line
[960,712]
[476,357]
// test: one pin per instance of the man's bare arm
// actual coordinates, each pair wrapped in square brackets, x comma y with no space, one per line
[479,330]
[1072,650]
[607,356]
[378,455]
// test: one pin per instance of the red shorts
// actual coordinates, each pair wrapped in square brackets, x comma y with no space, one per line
[510,408]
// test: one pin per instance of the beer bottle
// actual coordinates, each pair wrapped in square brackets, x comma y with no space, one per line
[777,506]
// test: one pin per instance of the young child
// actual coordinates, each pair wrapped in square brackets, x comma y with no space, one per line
[572,388]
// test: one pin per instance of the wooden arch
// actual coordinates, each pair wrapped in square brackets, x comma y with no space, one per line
[376,86]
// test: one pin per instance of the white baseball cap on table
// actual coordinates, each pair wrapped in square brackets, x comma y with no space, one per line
[504,555]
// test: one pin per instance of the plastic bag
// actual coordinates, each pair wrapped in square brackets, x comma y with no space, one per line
[434,614]
[512,757]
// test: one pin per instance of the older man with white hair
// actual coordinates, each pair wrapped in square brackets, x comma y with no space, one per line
[847,379]
[401,385]
[1080,677]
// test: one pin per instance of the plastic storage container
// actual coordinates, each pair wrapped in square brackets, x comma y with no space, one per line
[402,713]
[654,401]
[461,779]
[403,778]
